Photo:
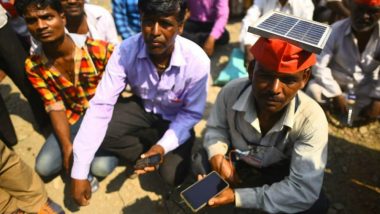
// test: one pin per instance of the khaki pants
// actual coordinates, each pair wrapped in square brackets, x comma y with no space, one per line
[20,186]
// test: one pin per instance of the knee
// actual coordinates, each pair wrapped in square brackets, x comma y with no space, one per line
[103,166]
[174,175]
[46,165]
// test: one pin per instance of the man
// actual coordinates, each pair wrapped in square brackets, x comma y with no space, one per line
[168,77]
[21,190]
[351,55]
[127,17]
[91,20]
[274,130]
[340,9]
[207,23]
[65,72]
[12,58]
[300,8]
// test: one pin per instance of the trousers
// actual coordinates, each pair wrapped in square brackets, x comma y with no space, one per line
[20,186]
[49,159]
[199,31]
[132,131]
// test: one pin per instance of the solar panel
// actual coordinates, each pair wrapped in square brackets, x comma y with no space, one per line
[307,34]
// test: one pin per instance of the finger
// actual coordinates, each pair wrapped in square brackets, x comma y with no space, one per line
[140,171]
[200,177]
[149,169]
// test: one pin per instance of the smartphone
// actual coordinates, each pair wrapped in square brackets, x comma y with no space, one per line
[197,195]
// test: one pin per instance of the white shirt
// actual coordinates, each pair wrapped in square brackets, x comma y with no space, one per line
[3,17]
[100,23]
[300,8]
[233,123]
[341,62]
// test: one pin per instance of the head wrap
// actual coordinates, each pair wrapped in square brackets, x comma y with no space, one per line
[281,56]
[372,3]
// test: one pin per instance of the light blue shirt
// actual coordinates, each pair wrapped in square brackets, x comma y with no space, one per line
[178,95]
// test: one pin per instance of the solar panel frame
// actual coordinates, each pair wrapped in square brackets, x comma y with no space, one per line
[270,25]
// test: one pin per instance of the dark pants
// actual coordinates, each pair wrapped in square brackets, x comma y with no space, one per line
[199,31]
[252,177]
[12,61]
[132,131]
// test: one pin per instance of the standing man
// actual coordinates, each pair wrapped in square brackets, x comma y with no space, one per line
[65,72]
[168,76]
[274,131]
[207,23]
[127,17]
[351,55]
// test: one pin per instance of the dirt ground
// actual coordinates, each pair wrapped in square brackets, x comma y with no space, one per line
[352,176]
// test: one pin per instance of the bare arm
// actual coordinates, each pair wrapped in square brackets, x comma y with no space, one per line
[61,128]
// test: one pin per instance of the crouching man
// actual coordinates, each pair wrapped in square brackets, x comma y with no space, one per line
[274,135]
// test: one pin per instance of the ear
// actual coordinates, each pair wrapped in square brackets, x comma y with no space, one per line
[180,27]
[250,69]
[63,17]
[305,77]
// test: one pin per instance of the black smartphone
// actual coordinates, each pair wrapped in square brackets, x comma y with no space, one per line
[197,195]
[148,161]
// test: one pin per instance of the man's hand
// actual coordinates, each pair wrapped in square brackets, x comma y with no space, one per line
[223,167]
[81,191]
[209,45]
[340,105]
[67,151]
[372,111]
[225,197]
[156,149]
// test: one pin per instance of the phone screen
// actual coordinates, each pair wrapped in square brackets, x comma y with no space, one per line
[198,194]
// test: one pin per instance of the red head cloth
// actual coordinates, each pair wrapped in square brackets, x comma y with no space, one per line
[372,3]
[278,55]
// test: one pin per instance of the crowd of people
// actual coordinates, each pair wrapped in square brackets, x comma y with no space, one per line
[66,58]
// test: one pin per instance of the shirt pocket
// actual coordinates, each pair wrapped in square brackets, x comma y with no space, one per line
[171,99]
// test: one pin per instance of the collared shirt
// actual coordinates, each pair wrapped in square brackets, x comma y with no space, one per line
[300,8]
[59,93]
[341,62]
[3,17]
[178,95]
[127,17]
[214,11]
[100,23]
[233,123]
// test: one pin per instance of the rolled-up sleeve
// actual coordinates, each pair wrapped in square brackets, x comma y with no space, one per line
[217,135]
[50,97]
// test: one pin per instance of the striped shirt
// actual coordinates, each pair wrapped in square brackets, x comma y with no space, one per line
[59,93]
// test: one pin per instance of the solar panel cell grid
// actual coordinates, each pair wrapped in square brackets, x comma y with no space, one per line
[306,33]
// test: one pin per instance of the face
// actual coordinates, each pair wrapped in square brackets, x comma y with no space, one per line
[73,7]
[45,24]
[272,90]
[159,33]
[364,18]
